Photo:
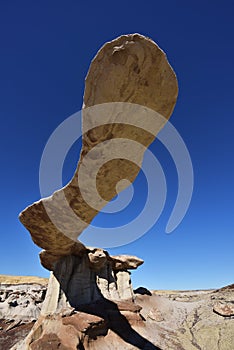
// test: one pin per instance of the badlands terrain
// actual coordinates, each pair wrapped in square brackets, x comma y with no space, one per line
[163,320]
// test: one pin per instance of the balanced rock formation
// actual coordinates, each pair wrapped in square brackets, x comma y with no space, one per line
[130,92]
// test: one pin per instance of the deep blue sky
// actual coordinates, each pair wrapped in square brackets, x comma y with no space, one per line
[46,48]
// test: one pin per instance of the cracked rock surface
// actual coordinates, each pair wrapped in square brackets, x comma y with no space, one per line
[187,320]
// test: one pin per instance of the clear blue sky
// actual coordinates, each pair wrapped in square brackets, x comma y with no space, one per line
[46,48]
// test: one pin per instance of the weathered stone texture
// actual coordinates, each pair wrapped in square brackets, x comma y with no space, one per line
[129,69]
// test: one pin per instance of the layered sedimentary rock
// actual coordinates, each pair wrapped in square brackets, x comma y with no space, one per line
[130,79]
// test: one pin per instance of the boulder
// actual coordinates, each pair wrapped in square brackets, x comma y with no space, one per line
[155,315]
[224,309]
[125,262]
[127,71]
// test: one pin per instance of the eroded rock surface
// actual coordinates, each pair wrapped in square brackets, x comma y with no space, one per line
[129,70]
[187,322]
[94,276]
[21,302]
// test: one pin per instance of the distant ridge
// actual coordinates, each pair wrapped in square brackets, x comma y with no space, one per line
[229,287]
[7,279]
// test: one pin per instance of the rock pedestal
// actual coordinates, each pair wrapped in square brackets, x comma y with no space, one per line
[87,295]
[94,276]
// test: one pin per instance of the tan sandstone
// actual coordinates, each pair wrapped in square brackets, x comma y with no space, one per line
[131,69]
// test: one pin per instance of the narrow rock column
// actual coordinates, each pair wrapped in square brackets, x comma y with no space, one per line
[50,303]
[124,284]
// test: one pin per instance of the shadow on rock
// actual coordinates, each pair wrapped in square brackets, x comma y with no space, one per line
[117,322]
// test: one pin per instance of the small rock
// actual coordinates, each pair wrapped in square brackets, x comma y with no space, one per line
[155,315]
[97,258]
[224,309]
[124,305]
[142,291]
[65,312]
[13,303]
[13,325]
[125,262]
[83,321]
